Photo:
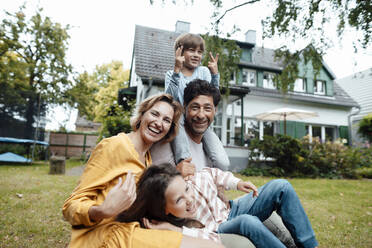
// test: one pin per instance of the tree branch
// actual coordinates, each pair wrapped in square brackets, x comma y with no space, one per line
[235,7]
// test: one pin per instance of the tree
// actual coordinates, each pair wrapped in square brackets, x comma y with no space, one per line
[365,127]
[95,95]
[32,57]
[305,20]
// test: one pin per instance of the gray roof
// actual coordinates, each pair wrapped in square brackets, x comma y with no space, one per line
[340,97]
[153,51]
[154,56]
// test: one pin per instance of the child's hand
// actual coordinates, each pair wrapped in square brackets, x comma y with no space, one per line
[247,187]
[178,64]
[213,63]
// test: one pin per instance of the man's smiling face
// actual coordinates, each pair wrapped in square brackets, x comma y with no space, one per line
[199,115]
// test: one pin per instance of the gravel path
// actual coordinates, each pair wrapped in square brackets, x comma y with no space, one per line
[76,171]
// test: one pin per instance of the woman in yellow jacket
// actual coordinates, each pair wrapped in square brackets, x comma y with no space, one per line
[107,186]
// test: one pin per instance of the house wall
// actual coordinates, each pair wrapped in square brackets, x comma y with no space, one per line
[328,114]
[359,87]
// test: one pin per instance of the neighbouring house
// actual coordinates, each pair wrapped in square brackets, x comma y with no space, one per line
[252,91]
[359,87]
[84,125]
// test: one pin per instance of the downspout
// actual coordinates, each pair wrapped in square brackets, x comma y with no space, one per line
[149,88]
[349,124]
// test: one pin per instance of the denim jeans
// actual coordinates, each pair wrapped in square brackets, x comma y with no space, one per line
[248,213]
[211,145]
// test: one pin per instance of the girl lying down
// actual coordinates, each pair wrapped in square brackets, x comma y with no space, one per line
[166,201]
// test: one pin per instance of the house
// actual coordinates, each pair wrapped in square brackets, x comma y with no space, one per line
[359,87]
[252,91]
[84,125]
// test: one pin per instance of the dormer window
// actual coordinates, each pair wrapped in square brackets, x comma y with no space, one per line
[300,85]
[320,87]
[248,77]
[268,80]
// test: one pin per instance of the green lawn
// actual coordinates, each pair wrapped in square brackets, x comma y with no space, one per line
[340,210]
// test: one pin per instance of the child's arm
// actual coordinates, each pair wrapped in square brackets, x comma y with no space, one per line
[172,78]
[229,181]
[223,178]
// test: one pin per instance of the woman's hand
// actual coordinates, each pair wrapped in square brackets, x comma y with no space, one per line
[118,199]
[160,225]
[247,187]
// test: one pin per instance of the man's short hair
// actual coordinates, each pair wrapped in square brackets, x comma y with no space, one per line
[199,87]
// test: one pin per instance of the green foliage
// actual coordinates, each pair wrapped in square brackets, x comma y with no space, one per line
[229,57]
[96,94]
[118,121]
[301,158]
[14,148]
[365,127]
[33,67]
[282,148]
[364,172]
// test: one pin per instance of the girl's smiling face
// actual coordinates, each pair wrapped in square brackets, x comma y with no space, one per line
[180,200]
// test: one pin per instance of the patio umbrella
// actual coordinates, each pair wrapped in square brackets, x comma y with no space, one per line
[284,114]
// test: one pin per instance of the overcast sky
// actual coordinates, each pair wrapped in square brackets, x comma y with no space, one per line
[103,31]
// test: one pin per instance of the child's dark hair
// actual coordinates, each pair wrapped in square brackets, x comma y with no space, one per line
[188,40]
[199,87]
[150,202]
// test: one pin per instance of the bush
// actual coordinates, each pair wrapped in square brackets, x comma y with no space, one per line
[365,172]
[301,158]
[365,127]
[112,125]
[285,150]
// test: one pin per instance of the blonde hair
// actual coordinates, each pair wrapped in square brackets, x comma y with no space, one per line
[188,40]
[148,103]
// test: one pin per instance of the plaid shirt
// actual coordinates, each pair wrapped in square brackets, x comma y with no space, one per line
[211,211]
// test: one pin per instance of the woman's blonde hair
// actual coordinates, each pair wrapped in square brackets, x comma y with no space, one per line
[148,103]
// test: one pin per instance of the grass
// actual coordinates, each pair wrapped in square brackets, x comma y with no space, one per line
[339,210]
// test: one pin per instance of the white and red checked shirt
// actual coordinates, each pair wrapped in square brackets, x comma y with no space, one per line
[211,211]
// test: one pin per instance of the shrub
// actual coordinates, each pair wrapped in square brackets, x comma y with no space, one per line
[112,125]
[365,127]
[285,150]
[302,158]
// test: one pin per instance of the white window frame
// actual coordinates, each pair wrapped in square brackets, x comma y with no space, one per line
[300,85]
[232,78]
[320,87]
[269,83]
[250,79]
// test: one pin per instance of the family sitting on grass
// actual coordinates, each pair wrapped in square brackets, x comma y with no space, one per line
[178,200]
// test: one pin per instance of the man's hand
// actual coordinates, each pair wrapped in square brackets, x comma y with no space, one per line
[186,168]
[213,63]
[178,64]
[247,187]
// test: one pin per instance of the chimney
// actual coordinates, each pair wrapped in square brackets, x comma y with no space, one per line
[182,27]
[250,37]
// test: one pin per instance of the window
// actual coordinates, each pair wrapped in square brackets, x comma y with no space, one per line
[249,77]
[300,85]
[319,88]
[232,78]
[268,80]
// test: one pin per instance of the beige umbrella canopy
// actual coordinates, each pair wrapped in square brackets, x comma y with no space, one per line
[284,114]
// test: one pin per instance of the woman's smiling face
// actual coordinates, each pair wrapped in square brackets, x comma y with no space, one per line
[156,122]
[180,200]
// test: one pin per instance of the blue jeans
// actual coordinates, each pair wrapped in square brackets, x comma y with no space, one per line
[211,144]
[248,213]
